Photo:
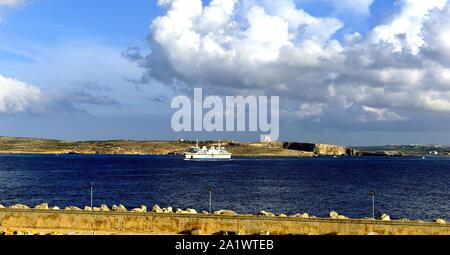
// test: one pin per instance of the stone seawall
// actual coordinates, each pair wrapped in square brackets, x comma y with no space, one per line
[154,223]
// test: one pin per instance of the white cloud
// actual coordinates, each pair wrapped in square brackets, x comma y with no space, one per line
[405,30]
[17,97]
[77,76]
[310,110]
[394,72]
[11,3]
[379,114]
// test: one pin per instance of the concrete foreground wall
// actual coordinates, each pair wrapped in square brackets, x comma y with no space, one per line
[151,223]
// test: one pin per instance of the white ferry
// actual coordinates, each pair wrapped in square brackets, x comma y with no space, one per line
[204,153]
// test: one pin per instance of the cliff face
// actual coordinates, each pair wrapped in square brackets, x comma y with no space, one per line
[321,149]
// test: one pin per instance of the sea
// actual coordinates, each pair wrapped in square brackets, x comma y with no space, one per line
[405,187]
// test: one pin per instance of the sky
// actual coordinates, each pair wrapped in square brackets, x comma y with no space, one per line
[350,72]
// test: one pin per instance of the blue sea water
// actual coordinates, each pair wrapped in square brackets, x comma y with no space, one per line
[405,187]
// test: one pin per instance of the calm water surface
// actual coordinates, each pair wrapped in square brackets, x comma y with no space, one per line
[406,187]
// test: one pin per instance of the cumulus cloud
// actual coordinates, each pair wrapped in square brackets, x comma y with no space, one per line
[17,97]
[398,69]
[405,31]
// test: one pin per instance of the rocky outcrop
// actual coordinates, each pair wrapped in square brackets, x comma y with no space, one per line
[167,210]
[299,215]
[225,212]
[1,206]
[187,211]
[321,149]
[334,215]
[440,221]
[72,208]
[157,209]
[88,208]
[142,209]
[385,217]
[191,211]
[19,206]
[43,206]
[266,214]
[120,208]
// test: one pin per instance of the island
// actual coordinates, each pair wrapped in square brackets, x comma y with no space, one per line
[17,145]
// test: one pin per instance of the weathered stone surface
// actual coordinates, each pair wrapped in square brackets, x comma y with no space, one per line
[187,211]
[157,209]
[385,217]
[167,210]
[142,209]
[72,208]
[342,217]
[196,232]
[191,211]
[120,208]
[440,221]
[19,206]
[205,212]
[225,212]
[56,208]
[1,206]
[88,208]
[266,214]
[334,215]
[282,215]
[104,208]
[43,206]
[264,233]
[8,232]
[299,215]
[157,224]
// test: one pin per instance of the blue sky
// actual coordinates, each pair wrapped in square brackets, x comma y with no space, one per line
[47,21]
[73,53]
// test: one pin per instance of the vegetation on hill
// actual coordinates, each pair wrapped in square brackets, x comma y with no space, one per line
[48,146]
[16,145]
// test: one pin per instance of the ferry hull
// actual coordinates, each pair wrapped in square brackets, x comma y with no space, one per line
[208,156]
